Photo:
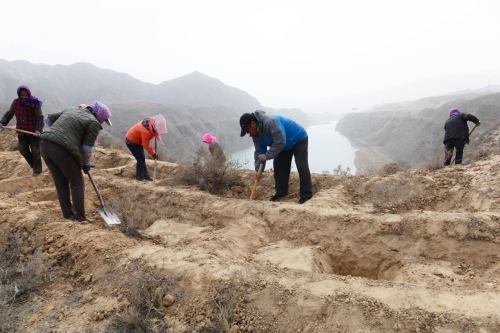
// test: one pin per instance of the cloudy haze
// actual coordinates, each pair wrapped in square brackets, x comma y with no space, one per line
[319,56]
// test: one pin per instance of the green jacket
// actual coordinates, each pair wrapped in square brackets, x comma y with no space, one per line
[71,128]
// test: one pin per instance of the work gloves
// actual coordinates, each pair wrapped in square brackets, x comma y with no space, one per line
[155,156]
[86,169]
[478,123]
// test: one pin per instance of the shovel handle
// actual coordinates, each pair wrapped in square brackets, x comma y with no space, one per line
[256,181]
[95,188]
[154,173]
[452,162]
[21,131]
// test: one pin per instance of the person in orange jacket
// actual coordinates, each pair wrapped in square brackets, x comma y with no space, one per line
[137,139]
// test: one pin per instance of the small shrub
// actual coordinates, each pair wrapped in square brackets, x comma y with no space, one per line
[131,213]
[212,173]
[433,162]
[338,171]
[146,291]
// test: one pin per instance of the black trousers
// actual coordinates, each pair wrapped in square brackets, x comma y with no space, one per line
[283,166]
[32,155]
[458,144]
[138,152]
[67,173]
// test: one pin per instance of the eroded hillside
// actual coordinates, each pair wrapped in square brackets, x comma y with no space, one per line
[411,252]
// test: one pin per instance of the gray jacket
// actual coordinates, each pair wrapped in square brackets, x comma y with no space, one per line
[71,128]
[267,125]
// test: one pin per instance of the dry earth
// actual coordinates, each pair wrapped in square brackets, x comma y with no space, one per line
[413,252]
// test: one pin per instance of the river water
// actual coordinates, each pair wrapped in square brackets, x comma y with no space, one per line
[327,150]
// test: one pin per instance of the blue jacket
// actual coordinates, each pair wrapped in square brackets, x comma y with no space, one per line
[276,132]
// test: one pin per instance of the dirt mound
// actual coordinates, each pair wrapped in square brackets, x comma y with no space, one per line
[417,251]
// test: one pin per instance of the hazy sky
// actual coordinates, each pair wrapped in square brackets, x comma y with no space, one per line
[315,55]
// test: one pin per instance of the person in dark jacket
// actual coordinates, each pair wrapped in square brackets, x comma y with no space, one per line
[66,148]
[286,139]
[457,134]
[29,117]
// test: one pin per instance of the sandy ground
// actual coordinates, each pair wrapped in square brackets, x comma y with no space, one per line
[412,252]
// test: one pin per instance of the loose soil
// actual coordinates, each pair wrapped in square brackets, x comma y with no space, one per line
[412,252]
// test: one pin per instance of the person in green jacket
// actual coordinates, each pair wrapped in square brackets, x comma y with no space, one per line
[66,148]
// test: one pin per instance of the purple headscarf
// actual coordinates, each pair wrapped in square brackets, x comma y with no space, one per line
[454,112]
[31,101]
[101,111]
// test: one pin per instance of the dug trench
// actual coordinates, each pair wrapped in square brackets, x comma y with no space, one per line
[342,262]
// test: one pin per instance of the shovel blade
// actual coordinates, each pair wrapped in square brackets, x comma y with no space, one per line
[108,215]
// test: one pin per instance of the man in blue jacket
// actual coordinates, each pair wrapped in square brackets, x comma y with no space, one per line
[285,139]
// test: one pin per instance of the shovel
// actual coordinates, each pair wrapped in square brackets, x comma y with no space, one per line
[154,174]
[106,212]
[256,181]
[21,131]
[452,162]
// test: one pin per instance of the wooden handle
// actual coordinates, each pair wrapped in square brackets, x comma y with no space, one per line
[154,174]
[469,137]
[21,131]
[256,181]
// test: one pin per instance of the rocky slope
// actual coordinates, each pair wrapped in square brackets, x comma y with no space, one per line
[412,136]
[412,252]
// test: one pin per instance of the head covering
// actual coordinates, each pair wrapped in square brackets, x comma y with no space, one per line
[82,106]
[454,112]
[101,111]
[208,138]
[159,126]
[245,121]
[31,101]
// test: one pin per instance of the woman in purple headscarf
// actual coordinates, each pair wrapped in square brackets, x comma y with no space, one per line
[457,134]
[29,117]
[66,148]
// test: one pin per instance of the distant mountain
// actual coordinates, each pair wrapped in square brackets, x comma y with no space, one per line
[412,136]
[197,89]
[70,85]
[192,104]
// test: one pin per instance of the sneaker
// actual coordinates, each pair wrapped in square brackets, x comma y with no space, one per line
[302,200]
[36,174]
[277,197]
[148,178]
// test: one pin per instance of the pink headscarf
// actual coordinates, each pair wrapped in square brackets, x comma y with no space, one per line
[160,126]
[208,138]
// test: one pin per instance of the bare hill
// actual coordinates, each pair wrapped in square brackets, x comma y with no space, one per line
[412,136]
[412,252]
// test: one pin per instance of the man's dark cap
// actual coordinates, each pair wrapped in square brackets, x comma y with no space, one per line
[245,121]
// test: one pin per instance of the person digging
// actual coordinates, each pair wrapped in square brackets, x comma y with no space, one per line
[457,134]
[29,117]
[285,139]
[137,139]
[66,148]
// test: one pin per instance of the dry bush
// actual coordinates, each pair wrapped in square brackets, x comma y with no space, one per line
[224,299]
[434,161]
[132,213]
[146,289]
[215,174]
[338,171]
[20,277]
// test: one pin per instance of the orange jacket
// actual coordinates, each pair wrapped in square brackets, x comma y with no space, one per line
[140,135]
